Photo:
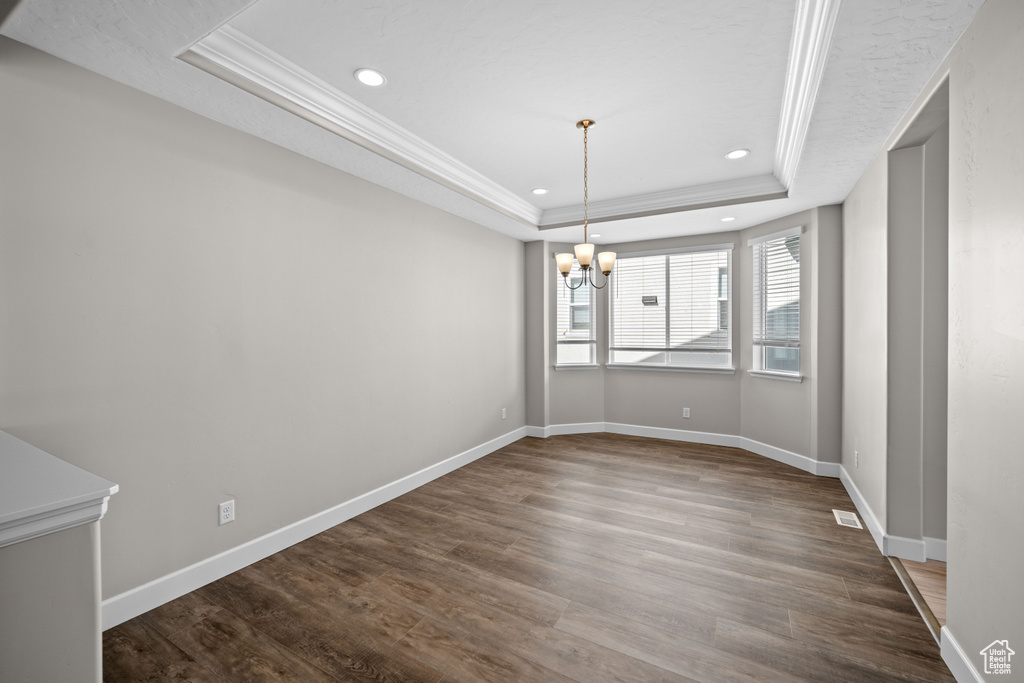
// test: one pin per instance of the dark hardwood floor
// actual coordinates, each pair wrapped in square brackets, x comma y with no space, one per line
[576,558]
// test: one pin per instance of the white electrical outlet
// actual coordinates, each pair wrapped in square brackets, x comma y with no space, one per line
[503,414]
[226,512]
[686,412]
[856,459]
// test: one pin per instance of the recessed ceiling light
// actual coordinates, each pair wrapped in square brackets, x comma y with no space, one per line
[728,218]
[539,190]
[370,77]
[737,154]
[595,234]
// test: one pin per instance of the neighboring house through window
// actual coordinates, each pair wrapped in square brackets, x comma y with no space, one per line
[672,309]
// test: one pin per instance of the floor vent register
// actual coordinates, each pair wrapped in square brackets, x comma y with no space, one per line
[847,519]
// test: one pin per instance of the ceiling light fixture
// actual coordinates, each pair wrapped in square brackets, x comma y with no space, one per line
[737,154]
[539,190]
[728,219]
[370,77]
[585,251]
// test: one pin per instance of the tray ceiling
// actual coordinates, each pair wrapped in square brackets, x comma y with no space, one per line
[482,97]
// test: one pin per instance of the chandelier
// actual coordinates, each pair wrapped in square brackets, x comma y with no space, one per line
[585,251]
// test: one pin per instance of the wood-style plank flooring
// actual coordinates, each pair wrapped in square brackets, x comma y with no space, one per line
[584,558]
[930,579]
[925,583]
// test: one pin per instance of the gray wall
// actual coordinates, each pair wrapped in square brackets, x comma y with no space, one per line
[536,307]
[903,326]
[826,367]
[903,348]
[986,330]
[60,570]
[865,307]
[199,315]
[918,234]
[935,333]
[985,516]
[803,418]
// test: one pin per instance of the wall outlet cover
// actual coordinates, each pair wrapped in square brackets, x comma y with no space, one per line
[226,512]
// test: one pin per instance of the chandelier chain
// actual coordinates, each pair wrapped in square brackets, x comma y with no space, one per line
[585,192]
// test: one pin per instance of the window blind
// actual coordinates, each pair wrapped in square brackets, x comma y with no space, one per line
[777,303]
[672,309]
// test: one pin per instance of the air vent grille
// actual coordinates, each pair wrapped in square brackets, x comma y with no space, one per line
[847,519]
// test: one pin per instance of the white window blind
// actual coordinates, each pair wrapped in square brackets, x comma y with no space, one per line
[672,309]
[777,303]
[574,328]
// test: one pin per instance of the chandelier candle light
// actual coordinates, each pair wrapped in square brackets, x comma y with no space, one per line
[585,251]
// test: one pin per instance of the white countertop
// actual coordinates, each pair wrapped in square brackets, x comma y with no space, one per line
[40,493]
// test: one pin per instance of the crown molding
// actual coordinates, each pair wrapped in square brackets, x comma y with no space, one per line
[728,192]
[232,56]
[813,28]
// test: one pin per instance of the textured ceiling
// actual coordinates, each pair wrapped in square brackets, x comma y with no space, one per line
[500,85]
[496,87]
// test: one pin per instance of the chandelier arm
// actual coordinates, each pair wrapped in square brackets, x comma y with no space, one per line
[583,281]
[594,284]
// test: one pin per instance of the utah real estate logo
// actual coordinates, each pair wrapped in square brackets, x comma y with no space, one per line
[997,657]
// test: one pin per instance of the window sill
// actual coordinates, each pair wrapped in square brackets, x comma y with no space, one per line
[671,368]
[577,366]
[785,377]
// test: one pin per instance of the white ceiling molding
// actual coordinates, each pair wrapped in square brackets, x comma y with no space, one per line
[743,190]
[853,70]
[234,57]
[808,52]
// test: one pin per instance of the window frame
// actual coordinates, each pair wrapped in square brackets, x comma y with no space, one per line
[728,368]
[591,336]
[759,293]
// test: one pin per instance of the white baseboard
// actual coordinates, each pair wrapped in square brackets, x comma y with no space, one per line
[917,550]
[959,663]
[576,428]
[825,469]
[709,438]
[822,469]
[935,548]
[865,511]
[904,548]
[132,603]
